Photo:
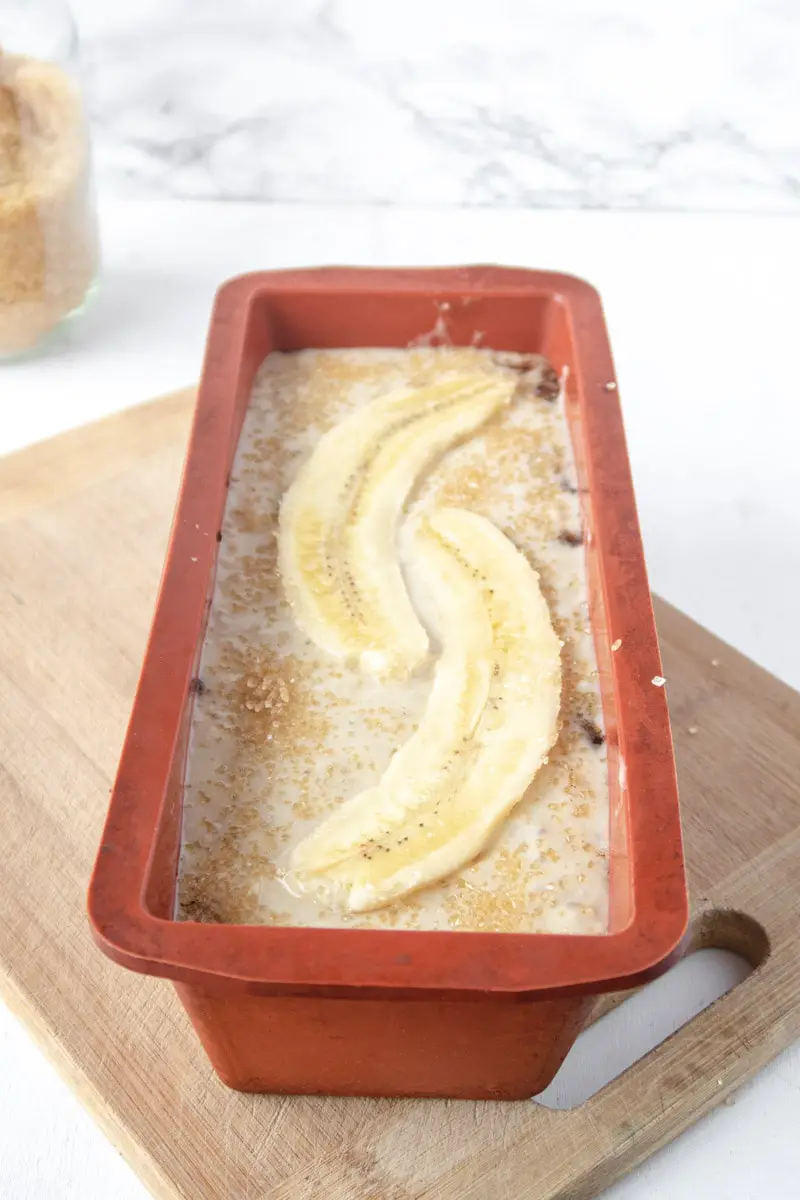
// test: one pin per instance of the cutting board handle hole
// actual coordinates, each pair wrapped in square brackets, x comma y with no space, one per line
[643,1020]
[729,929]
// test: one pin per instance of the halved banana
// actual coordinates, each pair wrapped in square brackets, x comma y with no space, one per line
[455,705]
[337,525]
[448,788]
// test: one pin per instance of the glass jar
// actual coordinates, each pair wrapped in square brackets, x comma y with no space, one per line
[48,225]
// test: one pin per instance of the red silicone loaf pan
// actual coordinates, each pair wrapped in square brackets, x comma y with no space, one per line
[395,1012]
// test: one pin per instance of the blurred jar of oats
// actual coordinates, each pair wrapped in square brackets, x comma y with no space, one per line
[48,225]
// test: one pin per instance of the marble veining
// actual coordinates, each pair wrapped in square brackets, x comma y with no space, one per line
[499,103]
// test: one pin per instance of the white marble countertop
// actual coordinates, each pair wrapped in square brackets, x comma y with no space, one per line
[702,314]
[512,103]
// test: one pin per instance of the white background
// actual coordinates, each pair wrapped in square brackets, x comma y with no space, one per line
[702,313]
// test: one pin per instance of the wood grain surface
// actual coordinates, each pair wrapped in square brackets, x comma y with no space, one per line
[83,528]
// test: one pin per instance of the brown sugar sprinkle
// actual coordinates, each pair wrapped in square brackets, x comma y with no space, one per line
[284,733]
[221,870]
[197,907]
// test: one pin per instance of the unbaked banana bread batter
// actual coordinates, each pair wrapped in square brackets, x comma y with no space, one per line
[400,525]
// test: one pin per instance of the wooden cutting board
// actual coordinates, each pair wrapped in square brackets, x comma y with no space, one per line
[83,527]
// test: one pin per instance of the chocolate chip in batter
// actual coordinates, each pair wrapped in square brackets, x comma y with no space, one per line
[548,386]
[592,730]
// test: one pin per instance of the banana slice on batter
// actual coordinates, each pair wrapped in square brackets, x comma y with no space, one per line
[446,791]
[337,528]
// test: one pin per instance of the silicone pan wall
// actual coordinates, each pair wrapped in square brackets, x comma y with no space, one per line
[397,1012]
